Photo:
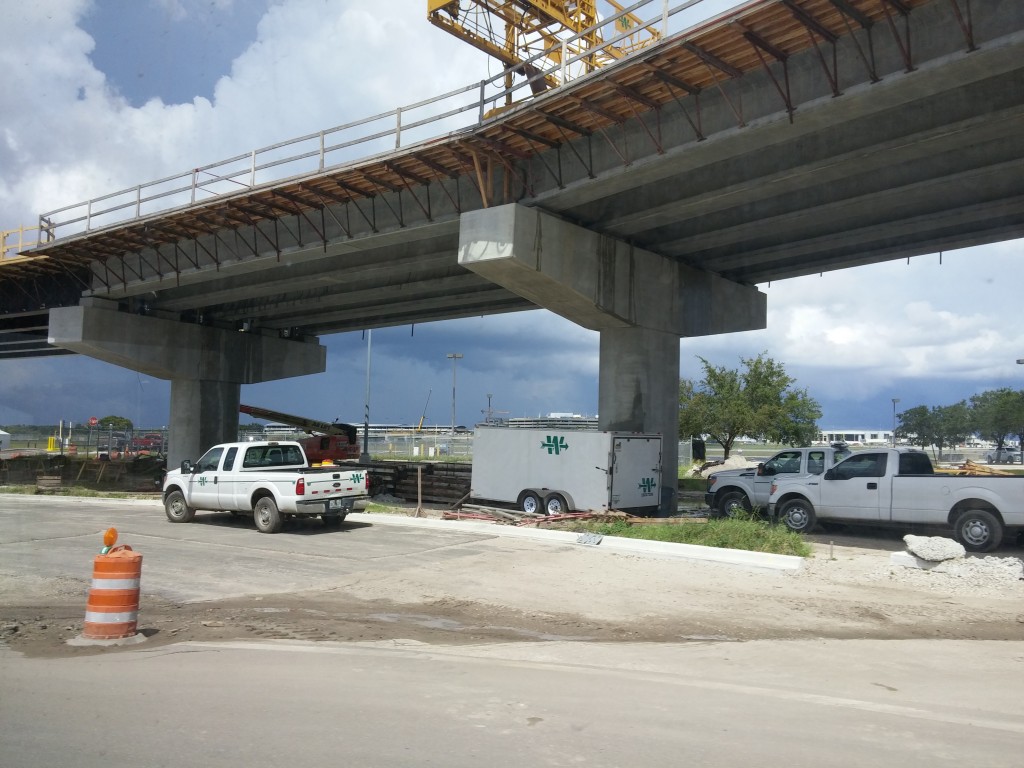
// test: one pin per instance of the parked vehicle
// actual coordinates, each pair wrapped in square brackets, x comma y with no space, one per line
[898,487]
[269,480]
[732,490]
[552,472]
[329,441]
[1003,456]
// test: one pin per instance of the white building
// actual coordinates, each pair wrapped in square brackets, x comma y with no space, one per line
[856,436]
[5,440]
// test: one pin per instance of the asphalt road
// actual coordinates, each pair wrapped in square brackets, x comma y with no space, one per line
[215,557]
[254,703]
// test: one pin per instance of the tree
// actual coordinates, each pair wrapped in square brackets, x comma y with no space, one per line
[916,426]
[952,425]
[118,423]
[758,402]
[939,426]
[997,414]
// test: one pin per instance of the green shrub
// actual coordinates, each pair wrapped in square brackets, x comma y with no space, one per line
[746,533]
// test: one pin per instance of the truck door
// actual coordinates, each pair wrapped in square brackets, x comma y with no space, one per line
[851,489]
[783,463]
[227,480]
[202,483]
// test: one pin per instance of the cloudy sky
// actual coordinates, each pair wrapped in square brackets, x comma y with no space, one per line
[98,96]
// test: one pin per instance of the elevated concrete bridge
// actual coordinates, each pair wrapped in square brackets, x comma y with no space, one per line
[644,200]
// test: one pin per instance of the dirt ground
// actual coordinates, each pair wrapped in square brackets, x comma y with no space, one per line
[515,590]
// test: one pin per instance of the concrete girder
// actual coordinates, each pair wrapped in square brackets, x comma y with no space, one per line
[600,282]
[206,366]
[640,302]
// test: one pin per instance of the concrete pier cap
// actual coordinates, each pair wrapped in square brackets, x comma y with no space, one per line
[640,302]
[206,366]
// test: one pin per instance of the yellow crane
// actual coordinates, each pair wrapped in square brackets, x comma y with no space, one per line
[516,31]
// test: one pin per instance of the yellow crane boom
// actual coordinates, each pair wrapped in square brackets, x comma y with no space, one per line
[516,31]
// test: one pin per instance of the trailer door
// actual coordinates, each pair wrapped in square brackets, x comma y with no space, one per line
[636,471]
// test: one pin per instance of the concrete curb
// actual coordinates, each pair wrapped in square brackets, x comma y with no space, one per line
[737,557]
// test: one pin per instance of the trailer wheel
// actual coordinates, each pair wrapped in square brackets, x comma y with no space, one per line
[798,515]
[979,530]
[177,509]
[529,502]
[555,504]
[267,516]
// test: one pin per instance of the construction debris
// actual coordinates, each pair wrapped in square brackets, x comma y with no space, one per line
[973,468]
[520,518]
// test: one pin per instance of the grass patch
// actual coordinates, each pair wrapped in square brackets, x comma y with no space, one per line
[750,534]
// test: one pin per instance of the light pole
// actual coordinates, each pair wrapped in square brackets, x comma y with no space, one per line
[894,401]
[453,356]
[364,457]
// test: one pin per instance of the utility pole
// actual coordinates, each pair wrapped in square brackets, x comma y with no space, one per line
[453,356]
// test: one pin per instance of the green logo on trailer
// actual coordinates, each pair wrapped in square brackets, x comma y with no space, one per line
[647,486]
[554,445]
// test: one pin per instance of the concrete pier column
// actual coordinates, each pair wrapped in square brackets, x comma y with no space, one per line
[203,413]
[638,391]
[206,366]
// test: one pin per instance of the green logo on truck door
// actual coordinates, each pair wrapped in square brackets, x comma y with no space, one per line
[554,444]
[647,486]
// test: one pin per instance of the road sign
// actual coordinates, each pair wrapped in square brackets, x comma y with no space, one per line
[93,421]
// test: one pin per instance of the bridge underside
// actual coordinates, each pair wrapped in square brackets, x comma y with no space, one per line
[736,152]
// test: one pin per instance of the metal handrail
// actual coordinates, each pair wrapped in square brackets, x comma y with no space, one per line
[190,187]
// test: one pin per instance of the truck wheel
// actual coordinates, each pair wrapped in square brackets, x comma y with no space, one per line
[177,509]
[555,504]
[268,518]
[798,515]
[529,502]
[733,502]
[979,530]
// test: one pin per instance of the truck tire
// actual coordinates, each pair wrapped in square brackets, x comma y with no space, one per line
[978,530]
[798,515]
[333,521]
[267,516]
[529,502]
[732,502]
[555,504]
[177,509]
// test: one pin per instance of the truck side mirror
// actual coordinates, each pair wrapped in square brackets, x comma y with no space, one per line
[830,474]
[186,467]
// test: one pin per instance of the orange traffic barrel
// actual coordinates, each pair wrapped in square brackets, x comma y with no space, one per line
[112,610]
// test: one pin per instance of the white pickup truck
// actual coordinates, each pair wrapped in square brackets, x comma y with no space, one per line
[268,480]
[899,487]
[731,490]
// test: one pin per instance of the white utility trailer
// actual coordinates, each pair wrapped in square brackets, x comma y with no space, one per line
[553,471]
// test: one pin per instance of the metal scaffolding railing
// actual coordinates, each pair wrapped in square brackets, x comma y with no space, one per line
[346,145]
[14,241]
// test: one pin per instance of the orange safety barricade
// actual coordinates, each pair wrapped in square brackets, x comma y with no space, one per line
[112,610]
